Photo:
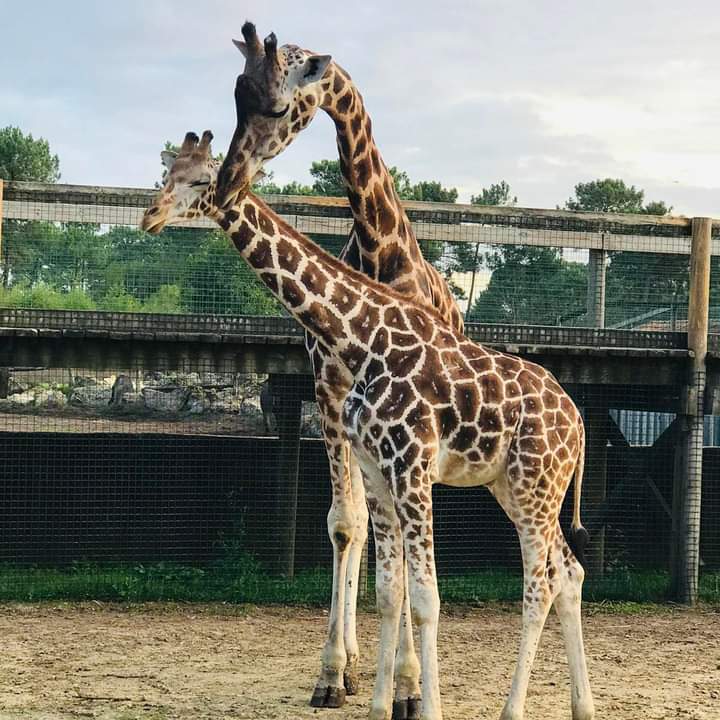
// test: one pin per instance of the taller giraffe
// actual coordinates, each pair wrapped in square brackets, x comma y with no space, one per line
[291,85]
[426,405]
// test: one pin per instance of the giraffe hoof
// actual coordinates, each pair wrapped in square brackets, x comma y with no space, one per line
[351,680]
[406,709]
[328,697]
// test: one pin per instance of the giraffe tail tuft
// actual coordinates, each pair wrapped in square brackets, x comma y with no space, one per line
[578,539]
[579,536]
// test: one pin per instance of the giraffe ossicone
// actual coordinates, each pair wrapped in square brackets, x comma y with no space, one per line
[426,405]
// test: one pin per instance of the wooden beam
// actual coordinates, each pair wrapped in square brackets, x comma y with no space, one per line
[479,211]
[432,222]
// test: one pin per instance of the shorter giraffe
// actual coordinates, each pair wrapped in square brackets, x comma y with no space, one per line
[427,405]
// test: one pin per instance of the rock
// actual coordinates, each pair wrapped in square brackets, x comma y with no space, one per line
[90,395]
[215,380]
[160,380]
[17,386]
[197,403]
[172,400]
[51,399]
[188,379]
[22,399]
[226,400]
[85,381]
[250,386]
[251,413]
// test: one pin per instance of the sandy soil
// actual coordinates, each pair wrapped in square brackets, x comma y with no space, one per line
[157,662]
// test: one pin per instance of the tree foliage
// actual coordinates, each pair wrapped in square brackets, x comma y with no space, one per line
[495,194]
[530,285]
[22,157]
[613,196]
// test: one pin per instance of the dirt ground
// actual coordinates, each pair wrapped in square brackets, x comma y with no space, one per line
[160,662]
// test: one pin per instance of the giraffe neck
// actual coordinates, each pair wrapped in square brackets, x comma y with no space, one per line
[337,305]
[375,204]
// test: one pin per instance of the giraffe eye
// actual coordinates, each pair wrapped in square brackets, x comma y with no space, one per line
[200,183]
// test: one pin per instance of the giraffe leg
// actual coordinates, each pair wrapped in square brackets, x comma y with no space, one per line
[537,600]
[330,689]
[357,547]
[406,705]
[423,591]
[570,575]
[388,587]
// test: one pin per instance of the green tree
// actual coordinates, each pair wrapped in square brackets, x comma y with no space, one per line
[613,196]
[531,285]
[216,279]
[496,194]
[22,157]
[328,178]
[467,257]
[640,286]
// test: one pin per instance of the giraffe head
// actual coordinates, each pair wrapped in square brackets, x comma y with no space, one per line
[276,97]
[189,188]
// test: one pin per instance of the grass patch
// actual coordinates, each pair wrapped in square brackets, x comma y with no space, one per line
[238,578]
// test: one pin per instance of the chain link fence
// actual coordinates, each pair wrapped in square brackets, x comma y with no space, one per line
[159,433]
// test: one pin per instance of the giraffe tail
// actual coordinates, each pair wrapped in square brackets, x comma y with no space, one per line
[579,537]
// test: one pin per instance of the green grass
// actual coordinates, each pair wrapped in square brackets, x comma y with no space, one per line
[241,579]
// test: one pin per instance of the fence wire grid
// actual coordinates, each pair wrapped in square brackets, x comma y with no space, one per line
[161,440]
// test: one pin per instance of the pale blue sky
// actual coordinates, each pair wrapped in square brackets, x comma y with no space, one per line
[541,94]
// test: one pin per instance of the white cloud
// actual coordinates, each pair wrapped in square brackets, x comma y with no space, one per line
[469,92]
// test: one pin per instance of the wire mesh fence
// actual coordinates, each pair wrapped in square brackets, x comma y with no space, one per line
[157,418]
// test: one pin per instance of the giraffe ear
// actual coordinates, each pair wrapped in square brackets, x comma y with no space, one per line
[259,176]
[242,47]
[312,69]
[168,158]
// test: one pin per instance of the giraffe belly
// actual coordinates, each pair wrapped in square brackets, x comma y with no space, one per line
[456,470]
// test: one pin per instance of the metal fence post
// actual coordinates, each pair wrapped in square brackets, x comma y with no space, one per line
[688,493]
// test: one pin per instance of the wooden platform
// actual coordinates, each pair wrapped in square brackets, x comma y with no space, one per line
[652,366]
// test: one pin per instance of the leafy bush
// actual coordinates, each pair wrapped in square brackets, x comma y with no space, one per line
[117,299]
[46,297]
[166,299]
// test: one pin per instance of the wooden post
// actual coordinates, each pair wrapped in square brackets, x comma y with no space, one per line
[288,413]
[2,261]
[688,489]
[596,288]
[595,483]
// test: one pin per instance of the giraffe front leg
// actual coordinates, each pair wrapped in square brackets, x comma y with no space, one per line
[416,519]
[388,589]
[406,705]
[330,687]
[357,547]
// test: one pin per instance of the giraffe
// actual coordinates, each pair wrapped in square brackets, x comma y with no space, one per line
[426,405]
[381,244]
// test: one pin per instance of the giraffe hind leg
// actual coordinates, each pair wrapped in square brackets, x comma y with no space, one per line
[568,575]
[406,705]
